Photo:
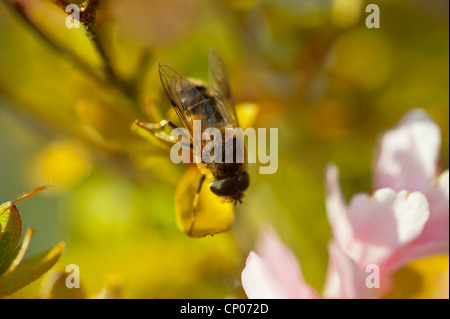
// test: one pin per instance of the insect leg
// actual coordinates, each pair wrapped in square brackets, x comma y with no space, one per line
[158,129]
[195,203]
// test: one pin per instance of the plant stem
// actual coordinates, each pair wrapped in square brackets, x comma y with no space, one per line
[90,27]
[93,35]
[76,60]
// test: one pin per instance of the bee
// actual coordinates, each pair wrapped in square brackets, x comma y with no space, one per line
[214,106]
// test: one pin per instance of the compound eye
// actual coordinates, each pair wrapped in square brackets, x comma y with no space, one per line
[224,187]
[230,186]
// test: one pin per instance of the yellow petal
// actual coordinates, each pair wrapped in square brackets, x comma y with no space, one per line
[55,288]
[112,288]
[213,215]
[105,124]
[61,163]
[345,13]
[247,113]
[424,278]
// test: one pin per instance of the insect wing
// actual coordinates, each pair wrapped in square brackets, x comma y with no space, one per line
[190,104]
[175,88]
[220,83]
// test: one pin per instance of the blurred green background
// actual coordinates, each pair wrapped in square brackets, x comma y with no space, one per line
[328,83]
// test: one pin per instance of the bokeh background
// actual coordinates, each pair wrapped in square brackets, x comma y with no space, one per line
[328,83]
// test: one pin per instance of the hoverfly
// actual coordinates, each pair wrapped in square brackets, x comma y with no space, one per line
[213,105]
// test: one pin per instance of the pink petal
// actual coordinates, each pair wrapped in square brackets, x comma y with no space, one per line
[384,223]
[336,206]
[434,239]
[345,280]
[437,228]
[373,228]
[275,272]
[407,154]
[257,280]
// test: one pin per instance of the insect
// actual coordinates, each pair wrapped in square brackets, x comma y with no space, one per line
[213,105]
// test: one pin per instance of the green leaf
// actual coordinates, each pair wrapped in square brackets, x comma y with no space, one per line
[29,270]
[13,260]
[10,230]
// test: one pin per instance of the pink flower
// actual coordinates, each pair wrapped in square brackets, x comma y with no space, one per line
[273,272]
[345,279]
[407,158]
[372,229]
[369,231]
[406,218]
